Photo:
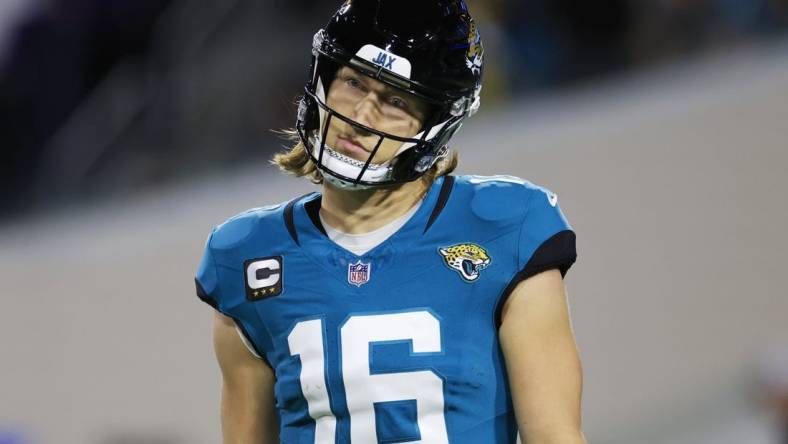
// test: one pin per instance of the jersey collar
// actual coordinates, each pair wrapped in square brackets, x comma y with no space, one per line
[303,223]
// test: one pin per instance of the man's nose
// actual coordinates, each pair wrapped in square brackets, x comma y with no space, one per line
[366,113]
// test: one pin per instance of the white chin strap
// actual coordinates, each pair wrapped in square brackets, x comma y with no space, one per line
[336,162]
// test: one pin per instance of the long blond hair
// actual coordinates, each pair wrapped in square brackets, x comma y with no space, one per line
[296,161]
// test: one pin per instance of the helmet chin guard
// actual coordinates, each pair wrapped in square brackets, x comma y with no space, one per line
[434,53]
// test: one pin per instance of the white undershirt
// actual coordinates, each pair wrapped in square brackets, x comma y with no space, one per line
[359,244]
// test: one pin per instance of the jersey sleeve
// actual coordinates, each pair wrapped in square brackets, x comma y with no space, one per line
[207,278]
[209,287]
[546,240]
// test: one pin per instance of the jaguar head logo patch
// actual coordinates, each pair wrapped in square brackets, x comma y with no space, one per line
[466,259]
[473,58]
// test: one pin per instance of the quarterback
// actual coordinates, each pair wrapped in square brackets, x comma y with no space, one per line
[400,303]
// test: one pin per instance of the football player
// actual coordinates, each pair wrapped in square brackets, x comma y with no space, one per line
[401,303]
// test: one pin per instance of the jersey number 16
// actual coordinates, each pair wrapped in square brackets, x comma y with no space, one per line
[425,387]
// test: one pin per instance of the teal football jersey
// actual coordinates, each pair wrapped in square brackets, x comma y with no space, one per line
[399,344]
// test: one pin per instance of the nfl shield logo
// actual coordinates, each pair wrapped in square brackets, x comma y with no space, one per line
[358,273]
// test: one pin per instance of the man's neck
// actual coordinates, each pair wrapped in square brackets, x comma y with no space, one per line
[362,211]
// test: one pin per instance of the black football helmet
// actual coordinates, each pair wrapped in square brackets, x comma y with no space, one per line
[429,48]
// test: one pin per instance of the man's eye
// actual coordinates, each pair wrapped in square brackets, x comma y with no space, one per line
[399,103]
[353,83]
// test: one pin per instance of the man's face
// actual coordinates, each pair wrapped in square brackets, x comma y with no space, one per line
[376,105]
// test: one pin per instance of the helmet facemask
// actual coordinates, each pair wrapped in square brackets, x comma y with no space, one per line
[348,172]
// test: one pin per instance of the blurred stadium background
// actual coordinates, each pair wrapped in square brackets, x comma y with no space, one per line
[130,127]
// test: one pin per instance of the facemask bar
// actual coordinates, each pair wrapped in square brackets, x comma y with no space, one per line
[348,120]
[369,160]
[326,114]
[325,150]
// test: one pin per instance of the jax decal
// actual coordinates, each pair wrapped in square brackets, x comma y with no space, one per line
[385,59]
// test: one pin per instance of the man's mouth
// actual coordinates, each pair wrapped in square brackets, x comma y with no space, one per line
[351,146]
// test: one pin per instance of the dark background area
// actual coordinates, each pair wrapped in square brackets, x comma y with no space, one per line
[104,98]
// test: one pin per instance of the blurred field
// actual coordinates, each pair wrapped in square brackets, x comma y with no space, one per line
[674,179]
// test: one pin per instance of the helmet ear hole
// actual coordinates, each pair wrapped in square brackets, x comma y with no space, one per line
[308,113]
